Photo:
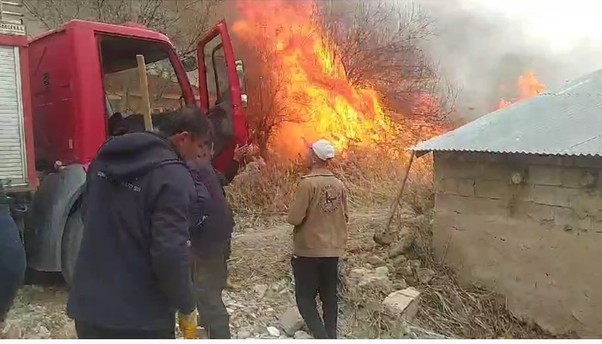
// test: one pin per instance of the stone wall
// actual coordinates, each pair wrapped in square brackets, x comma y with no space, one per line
[528,227]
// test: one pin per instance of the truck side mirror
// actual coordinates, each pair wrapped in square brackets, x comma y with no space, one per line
[240,71]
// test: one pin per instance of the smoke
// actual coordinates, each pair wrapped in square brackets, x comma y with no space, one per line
[483,52]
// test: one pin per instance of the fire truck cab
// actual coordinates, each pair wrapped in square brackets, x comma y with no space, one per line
[58,92]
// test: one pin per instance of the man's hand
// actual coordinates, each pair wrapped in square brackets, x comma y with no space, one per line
[188,324]
[240,152]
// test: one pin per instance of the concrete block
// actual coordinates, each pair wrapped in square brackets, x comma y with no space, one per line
[402,303]
[465,187]
[545,175]
[536,212]
[551,195]
[492,189]
[291,321]
[564,217]
[572,177]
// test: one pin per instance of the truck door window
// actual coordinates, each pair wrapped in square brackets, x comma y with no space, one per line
[218,88]
[121,79]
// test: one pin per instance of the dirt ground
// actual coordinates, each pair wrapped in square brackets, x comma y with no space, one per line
[260,272]
[260,260]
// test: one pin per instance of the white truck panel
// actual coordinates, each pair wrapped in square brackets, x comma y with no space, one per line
[13,162]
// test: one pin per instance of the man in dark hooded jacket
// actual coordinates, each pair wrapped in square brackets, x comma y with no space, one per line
[12,258]
[133,269]
[210,243]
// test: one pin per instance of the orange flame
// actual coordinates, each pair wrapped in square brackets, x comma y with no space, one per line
[313,83]
[528,87]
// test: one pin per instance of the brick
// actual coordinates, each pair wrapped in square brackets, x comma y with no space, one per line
[586,203]
[572,177]
[551,195]
[492,189]
[536,212]
[455,204]
[545,175]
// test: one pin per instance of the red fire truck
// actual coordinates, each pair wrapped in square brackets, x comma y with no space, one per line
[57,93]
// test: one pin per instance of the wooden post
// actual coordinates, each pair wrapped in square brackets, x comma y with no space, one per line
[148,121]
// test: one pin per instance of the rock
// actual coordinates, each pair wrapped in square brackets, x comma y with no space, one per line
[11,331]
[376,261]
[274,332]
[260,290]
[402,245]
[383,238]
[302,335]
[70,331]
[291,321]
[405,270]
[399,260]
[243,334]
[280,285]
[415,264]
[41,332]
[425,275]
[402,303]
[366,279]
[400,284]
[382,271]
[284,336]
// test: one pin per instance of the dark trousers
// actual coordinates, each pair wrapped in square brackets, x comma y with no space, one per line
[88,331]
[209,276]
[313,277]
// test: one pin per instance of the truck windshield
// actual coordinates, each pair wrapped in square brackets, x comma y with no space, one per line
[122,82]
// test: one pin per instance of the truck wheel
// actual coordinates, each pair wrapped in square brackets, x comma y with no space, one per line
[72,237]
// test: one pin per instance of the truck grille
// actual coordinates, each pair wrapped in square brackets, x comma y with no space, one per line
[13,166]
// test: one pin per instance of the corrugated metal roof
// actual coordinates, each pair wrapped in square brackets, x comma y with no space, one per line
[566,122]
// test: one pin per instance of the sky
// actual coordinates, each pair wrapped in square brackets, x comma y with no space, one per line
[483,46]
[561,23]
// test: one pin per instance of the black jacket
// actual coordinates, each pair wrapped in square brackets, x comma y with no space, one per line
[216,219]
[133,268]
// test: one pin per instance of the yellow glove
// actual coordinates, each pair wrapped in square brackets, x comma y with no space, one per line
[188,324]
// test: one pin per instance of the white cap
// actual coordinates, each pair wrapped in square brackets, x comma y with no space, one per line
[323,149]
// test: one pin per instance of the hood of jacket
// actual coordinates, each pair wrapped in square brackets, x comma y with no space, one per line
[132,155]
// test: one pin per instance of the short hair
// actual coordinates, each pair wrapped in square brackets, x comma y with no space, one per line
[190,119]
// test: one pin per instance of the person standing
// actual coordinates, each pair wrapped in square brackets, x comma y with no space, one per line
[133,269]
[319,216]
[210,239]
[12,259]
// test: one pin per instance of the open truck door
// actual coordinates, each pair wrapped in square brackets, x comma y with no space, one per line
[222,93]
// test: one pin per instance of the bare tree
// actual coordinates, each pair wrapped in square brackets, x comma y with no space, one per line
[380,45]
[184,21]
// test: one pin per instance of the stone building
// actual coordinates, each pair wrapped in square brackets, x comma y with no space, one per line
[518,206]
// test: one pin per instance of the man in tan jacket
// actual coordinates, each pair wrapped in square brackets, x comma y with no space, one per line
[319,215]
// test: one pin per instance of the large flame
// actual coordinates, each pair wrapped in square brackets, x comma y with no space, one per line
[528,87]
[313,87]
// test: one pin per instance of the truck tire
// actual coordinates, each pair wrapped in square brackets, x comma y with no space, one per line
[72,237]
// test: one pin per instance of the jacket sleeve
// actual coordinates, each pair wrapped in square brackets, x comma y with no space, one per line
[298,210]
[170,237]
[230,172]
[345,206]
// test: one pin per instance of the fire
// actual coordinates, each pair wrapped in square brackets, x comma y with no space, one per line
[528,87]
[314,92]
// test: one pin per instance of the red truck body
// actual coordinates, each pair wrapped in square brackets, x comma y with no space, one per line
[59,117]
